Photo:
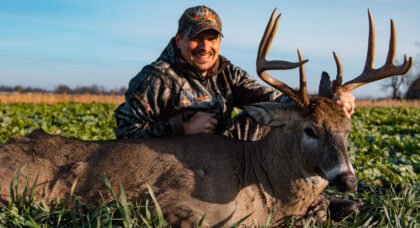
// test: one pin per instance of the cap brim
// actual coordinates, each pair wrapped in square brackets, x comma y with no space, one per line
[201,29]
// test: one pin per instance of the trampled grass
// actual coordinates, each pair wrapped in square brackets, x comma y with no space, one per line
[384,148]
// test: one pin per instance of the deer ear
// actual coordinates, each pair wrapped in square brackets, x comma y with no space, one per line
[271,114]
[325,86]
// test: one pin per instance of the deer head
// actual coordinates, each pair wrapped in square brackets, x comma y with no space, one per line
[319,124]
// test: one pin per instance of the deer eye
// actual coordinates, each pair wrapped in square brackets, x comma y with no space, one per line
[309,132]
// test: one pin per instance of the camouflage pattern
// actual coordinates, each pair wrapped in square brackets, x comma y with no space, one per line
[170,91]
[197,19]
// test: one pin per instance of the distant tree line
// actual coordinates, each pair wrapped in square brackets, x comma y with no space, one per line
[64,89]
[408,85]
[401,86]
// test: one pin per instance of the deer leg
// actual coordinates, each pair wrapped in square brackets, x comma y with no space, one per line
[341,208]
[319,208]
[182,217]
[338,208]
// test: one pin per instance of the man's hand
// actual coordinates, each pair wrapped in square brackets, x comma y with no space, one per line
[201,122]
[346,101]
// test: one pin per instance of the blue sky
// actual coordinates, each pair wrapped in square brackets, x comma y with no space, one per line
[44,43]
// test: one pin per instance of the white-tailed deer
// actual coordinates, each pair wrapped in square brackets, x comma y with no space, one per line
[227,179]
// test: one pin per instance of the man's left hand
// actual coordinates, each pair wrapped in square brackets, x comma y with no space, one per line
[346,101]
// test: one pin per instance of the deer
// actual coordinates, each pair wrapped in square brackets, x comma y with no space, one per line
[226,179]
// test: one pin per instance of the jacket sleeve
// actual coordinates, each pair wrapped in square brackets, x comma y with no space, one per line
[246,90]
[141,114]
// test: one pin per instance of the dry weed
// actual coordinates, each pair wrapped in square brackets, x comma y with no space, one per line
[50,98]
[388,102]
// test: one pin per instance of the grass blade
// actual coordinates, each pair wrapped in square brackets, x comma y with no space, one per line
[126,211]
[240,221]
[108,185]
[159,214]
[31,194]
[270,216]
[200,223]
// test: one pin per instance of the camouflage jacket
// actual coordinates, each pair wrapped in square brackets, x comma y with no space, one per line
[169,91]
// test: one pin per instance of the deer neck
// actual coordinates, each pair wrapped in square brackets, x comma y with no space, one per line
[275,167]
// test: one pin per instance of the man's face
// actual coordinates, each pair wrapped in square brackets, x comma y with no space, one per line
[202,50]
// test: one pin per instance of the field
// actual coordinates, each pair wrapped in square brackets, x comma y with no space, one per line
[384,147]
[50,98]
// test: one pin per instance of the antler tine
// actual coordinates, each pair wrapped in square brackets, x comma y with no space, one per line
[263,64]
[371,45]
[392,45]
[387,70]
[262,46]
[271,33]
[339,78]
[303,90]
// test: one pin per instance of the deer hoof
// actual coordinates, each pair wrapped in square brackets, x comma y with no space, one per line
[342,208]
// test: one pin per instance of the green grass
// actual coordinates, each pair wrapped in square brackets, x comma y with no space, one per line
[23,210]
[384,148]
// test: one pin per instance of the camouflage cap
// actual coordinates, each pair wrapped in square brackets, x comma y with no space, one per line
[197,19]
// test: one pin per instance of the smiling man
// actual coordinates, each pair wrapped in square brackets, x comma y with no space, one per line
[202,50]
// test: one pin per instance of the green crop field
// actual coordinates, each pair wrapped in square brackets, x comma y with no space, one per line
[384,147]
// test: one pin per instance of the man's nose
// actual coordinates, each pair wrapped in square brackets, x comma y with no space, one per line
[204,44]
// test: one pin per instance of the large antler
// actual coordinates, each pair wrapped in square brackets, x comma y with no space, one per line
[369,74]
[301,96]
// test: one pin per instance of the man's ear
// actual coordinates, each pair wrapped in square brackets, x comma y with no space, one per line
[271,114]
[178,38]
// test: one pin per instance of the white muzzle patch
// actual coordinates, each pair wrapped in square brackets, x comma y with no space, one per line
[335,171]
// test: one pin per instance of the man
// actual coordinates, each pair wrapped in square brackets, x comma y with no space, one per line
[191,89]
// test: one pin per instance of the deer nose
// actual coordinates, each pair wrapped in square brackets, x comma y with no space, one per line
[345,182]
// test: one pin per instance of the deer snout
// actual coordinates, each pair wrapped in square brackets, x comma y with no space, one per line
[342,177]
[345,182]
